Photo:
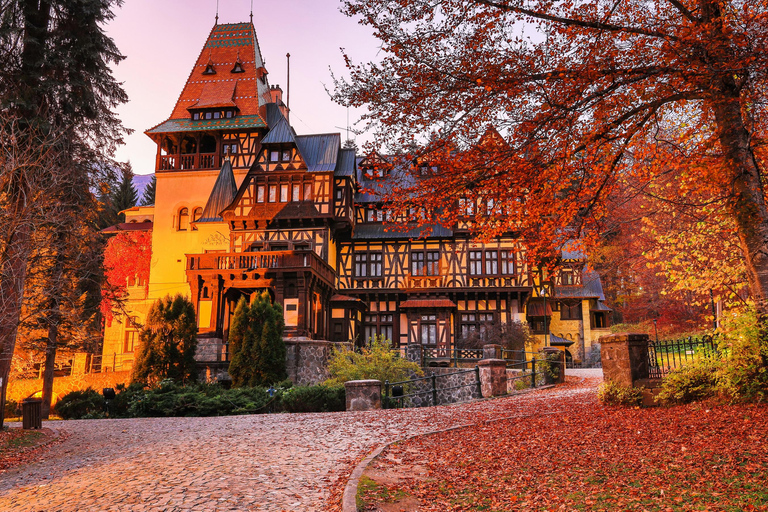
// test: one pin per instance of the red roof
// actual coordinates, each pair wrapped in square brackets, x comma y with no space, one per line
[128,226]
[428,303]
[226,45]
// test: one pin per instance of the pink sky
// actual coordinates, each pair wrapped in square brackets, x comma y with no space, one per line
[162,39]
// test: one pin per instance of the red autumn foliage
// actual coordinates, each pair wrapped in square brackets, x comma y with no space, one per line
[126,257]
[572,453]
[549,115]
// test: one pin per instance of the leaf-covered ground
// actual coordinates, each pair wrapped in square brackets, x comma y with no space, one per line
[581,455]
[18,446]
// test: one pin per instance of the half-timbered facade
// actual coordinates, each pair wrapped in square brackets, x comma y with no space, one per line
[245,204]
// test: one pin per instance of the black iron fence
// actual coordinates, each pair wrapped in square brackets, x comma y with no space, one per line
[431,390]
[448,356]
[666,355]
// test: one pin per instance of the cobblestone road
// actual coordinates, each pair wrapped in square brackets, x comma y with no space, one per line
[264,462]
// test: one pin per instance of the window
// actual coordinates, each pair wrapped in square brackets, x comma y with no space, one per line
[425,263]
[260,190]
[475,322]
[286,156]
[196,116]
[295,193]
[379,325]
[374,215]
[208,115]
[467,207]
[491,263]
[183,220]
[230,149]
[375,262]
[307,191]
[131,335]
[599,321]
[570,311]
[567,277]
[274,156]
[538,325]
[361,264]
[428,330]
[273,193]
[216,115]
[196,214]
[284,193]
[475,263]
[229,114]
[507,262]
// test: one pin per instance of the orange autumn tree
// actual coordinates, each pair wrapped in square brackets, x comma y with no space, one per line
[126,257]
[585,97]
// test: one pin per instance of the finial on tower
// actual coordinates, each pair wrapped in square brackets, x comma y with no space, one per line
[251,12]
[217,13]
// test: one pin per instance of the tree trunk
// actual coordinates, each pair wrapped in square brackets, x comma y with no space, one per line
[50,363]
[12,278]
[747,203]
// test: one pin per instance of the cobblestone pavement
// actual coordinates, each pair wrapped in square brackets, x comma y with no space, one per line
[274,463]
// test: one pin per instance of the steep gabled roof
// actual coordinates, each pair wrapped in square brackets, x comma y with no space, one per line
[280,133]
[346,165]
[590,288]
[222,195]
[246,91]
[320,152]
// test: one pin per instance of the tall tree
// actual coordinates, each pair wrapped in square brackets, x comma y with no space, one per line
[125,195]
[257,346]
[57,96]
[148,198]
[168,342]
[586,100]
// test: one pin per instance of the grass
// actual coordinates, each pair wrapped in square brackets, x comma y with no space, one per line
[16,439]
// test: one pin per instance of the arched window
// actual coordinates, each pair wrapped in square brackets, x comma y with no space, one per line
[183,219]
[196,214]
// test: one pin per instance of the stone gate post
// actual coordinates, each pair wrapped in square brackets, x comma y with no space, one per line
[624,357]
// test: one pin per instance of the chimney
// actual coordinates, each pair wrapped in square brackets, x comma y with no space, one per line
[276,93]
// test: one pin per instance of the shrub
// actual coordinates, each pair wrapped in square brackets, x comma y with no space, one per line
[376,361]
[12,408]
[613,393]
[168,342]
[80,404]
[314,399]
[743,374]
[694,381]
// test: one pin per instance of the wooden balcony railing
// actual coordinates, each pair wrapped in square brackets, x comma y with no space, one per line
[186,162]
[263,260]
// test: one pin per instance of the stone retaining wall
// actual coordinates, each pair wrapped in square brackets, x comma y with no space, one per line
[19,389]
[467,392]
[307,360]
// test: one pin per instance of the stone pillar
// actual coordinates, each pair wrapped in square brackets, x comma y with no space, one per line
[80,363]
[363,395]
[492,351]
[624,357]
[554,365]
[493,377]
[414,353]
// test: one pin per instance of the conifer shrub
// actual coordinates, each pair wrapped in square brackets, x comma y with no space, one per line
[256,343]
[167,343]
[314,399]
[80,404]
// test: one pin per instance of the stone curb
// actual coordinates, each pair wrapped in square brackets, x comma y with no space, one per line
[349,502]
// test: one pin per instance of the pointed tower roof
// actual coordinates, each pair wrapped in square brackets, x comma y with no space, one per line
[222,195]
[217,81]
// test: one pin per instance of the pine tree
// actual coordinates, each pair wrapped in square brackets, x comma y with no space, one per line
[148,199]
[125,195]
[168,342]
[256,343]
[57,93]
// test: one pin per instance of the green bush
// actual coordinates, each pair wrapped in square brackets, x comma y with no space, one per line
[692,382]
[742,373]
[314,399]
[376,361]
[12,408]
[81,404]
[613,393]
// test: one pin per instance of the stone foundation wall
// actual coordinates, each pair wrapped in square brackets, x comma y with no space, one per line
[467,392]
[307,360]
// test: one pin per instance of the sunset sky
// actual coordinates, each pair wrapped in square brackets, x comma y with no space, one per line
[162,39]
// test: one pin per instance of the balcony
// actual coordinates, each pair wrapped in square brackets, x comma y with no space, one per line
[283,261]
[186,162]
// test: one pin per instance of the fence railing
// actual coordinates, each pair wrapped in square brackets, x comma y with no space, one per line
[666,355]
[404,393]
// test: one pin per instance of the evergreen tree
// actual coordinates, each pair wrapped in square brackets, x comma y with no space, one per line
[125,195]
[57,93]
[256,343]
[148,199]
[168,342]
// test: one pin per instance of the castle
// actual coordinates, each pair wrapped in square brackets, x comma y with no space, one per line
[244,204]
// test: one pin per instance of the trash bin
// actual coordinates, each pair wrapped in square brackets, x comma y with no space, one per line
[32,413]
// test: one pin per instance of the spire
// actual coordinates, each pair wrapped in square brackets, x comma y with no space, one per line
[217,13]
[222,195]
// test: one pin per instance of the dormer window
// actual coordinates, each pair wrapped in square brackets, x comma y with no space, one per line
[209,69]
